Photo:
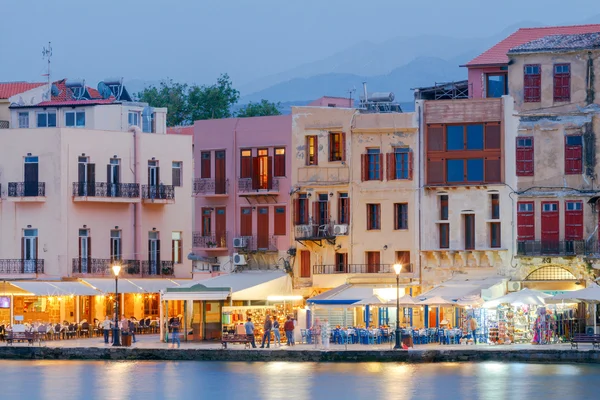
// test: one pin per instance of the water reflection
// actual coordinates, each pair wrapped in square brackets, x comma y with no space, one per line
[182,380]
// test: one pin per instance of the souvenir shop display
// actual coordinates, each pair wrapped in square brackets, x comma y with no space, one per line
[544,327]
[501,325]
[523,322]
[233,316]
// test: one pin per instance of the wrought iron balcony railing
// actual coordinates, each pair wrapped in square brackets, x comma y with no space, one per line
[103,266]
[158,192]
[207,187]
[359,269]
[255,243]
[251,185]
[157,268]
[551,248]
[20,266]
[26,189]
[102,189]
[214,240]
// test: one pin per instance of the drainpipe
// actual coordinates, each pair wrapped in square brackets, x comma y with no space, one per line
[420,197]
[136,206]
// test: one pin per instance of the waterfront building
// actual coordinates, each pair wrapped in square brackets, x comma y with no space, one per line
[90,179]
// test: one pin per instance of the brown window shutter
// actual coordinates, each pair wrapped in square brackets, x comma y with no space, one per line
[493,136]
[435,138]
[331,146]
[493,172]
[316,150]
[89,249]
[296,211]
[79,251]
[316,212]
[378,211]
[172,250]
[343,144]
[108,170]
[381,167]
[396,216]
[410,165]
[364,167]
[391,166]
[435,171]
[158,252]
[255,173]
[348,210]
[269,172]
[369,217]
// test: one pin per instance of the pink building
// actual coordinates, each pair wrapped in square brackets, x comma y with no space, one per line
[334,102]
[488,72]
[242,185]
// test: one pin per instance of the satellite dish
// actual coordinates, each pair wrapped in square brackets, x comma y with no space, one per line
[77,86]
[54,90]
[104,90]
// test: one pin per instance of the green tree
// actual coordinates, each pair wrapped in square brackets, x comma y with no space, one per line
[168,94]
[260,109]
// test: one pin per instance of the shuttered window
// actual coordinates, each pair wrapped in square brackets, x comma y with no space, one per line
[312,150]
[444,235]
[280,218]
[301,209]
[205,172]
[524,155]
[532,83]
[337,144]
[400,216]
[469,225]
[343,209]
[444,207]
[246,163]
[279,162]
[562,82]
[400,164]
[176,173]
[373,216]
[372,165]
[525,221]
[573,154]
[574,220]
[495,235]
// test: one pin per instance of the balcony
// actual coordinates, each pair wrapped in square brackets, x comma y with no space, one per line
[316,233]
[103,267]
[255,243]
[256,187]
[157,269]
[20,266]
[323,176]
[106,192]
[158,194]
[27,191]
[211,188]
[211,242]
[564,248]
[354,269]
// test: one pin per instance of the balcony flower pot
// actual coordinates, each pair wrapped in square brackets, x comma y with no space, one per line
[167,271]
[133,270]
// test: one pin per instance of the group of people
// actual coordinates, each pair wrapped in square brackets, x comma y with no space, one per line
[126,326]
[272,324]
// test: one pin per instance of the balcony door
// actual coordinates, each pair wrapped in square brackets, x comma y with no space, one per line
[153,253]
[29,250]
[550,226]
[31,176]
[262,228]
[220,186]
[262,171]
[304,264]
[153,179]
[221,226]
[86,177]
[113,173]
[85,251]
[373,262]
[116,252]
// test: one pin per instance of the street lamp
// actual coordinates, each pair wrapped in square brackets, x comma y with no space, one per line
[116,340]
[397,270]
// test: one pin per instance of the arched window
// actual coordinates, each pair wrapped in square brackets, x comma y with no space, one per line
[552,273]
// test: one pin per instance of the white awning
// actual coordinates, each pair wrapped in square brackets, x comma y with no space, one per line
[55,288]
[108,285]
[153,285]
[456,289]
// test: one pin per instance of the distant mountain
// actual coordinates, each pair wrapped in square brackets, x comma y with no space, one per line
[423,71]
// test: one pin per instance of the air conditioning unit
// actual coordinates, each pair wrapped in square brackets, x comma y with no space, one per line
[239,259]
[239,242]
[340,230]
[514,286]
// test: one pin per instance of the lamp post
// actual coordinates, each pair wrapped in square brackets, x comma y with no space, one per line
[397,270]
[116,340]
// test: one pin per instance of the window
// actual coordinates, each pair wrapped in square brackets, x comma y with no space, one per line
[496,85]
[403,258]
[337,144]
[46,119]
[444,207]
[525,221]
[321,210]
[133,118]
[341,262]
[573,154]
[176,248]
[280,228]
[562,82]
[444,235]
[475,170]
[400,216]
[116,252]
[75,119]
[525,156]
[246,163]
[474,137]
[301,209]
[547,207]
[23,120]
[205,172]
[312,150]
[469,220]
[176,173]
[400,164]
[532,83]
[455,171]
[279,162]
[371,165]
[473,167]
[460,137]
[573,220]
[495,234]
[455,137]
[206,221]
[344,209]
[373,217]
[495,198]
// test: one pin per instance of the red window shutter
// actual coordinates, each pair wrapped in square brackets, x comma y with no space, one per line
[343,144]
[269,173]
[316,219]
[574,223]
[340,210]
[297,212]
[525,223]
[331,146]
[493,170]
[435,171]
[435,138]
[532,85]
[255,173]
[279,223]
[524,159]
[381,168]
[369,219]
[279,164]
[378,216]
[396,225]
[316,150]
[205,165]
[245,167]
[391,166]
[573,158]
[364,167]
[305,206]
[410,165]
[493,137]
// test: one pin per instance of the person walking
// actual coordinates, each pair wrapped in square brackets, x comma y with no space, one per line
[106,325]
[249,326]
[288,327]
[276,332]
[132,328]
[267,335]
[473,327]
[294,331]
[175,331]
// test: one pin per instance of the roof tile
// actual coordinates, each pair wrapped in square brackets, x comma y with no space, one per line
[560,43]
[9,89]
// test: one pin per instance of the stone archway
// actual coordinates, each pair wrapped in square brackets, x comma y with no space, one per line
[551,273]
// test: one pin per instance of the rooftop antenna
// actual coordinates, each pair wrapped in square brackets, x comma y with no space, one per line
[350,94]
[47,54]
